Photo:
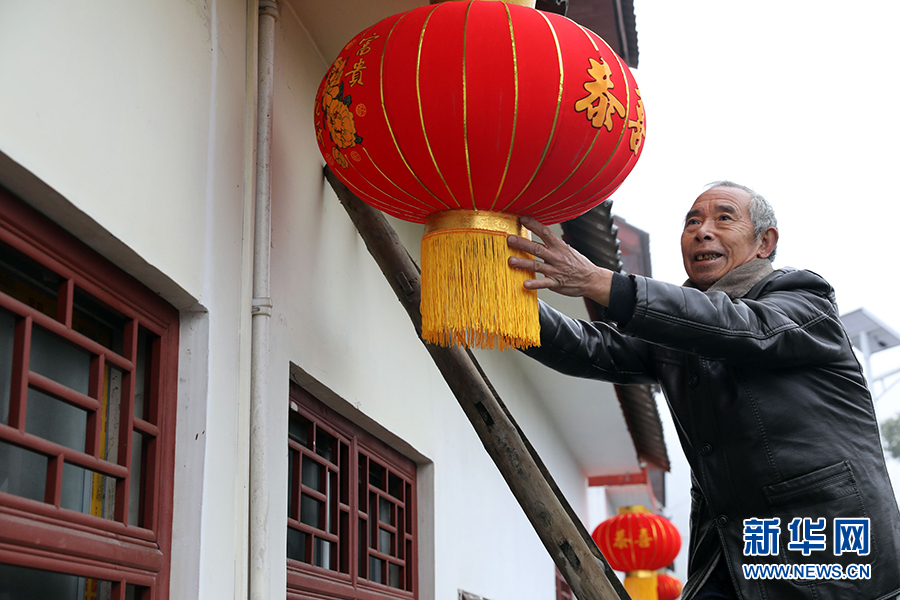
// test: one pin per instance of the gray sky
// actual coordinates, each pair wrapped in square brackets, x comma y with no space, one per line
[796,100]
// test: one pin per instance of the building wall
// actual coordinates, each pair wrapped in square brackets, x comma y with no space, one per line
[133,117]
[138,119]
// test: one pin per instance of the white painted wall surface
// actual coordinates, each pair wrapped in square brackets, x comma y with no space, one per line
[135,112]
[109,103]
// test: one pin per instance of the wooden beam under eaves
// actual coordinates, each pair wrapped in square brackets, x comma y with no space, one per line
[619,479]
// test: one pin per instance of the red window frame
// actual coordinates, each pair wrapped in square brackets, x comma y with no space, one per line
[563,591]
[354,518]
[44,535]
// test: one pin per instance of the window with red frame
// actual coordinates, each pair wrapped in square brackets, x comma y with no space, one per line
[351,508]
[563,591]
[87,408]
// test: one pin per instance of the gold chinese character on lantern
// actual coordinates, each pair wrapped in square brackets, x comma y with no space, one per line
[637,135]
[644,538]
[364,44]
[600,104]
[621,541]
[355,74]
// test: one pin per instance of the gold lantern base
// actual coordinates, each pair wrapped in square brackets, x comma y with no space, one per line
[470,295]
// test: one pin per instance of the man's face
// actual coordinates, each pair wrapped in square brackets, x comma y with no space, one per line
[718,235]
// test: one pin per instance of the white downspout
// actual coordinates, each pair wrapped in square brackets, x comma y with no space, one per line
[260,560]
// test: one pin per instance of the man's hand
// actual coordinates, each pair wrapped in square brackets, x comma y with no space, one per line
[565,270]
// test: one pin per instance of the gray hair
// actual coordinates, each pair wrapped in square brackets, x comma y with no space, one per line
[761,214]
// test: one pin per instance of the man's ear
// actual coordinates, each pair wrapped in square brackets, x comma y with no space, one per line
[767,241]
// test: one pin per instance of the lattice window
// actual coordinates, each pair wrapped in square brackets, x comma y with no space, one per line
[385,524]
[319,523]
[86,418]
[351,508]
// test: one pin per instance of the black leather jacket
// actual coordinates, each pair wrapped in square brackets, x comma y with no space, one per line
[773,414]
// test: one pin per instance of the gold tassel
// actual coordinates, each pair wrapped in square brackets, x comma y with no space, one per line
[641,585]
[470,295]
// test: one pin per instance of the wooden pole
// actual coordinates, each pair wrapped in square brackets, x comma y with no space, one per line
[561,532]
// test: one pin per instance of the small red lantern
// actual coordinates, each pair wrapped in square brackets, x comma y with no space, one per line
[638,542]
[667,587]
[465,116]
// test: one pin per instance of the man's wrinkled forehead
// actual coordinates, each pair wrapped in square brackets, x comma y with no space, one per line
[721,199]
[720,207]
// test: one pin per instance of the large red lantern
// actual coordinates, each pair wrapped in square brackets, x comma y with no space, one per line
[638,542]
[465,116]
[667,587]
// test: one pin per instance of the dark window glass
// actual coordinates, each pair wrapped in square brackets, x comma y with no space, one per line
[59,360]
[22,472]
[23,583]
[28,281]
[97,321]
[7,341]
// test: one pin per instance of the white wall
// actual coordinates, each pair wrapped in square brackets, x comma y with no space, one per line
[132,116]
[110,103]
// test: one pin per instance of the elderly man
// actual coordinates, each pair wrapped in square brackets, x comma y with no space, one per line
[768,399]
